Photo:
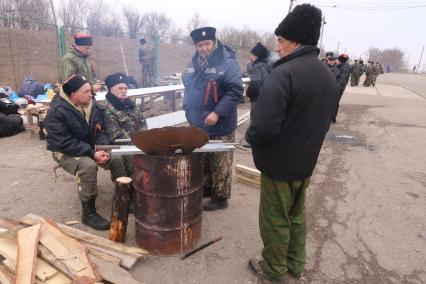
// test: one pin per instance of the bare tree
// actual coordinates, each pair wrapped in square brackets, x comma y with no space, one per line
[155,23]
[71,15]
[195,22]
[94,14]
[373,53]
[133,21]
[394,58]
[112,26]
[269,40]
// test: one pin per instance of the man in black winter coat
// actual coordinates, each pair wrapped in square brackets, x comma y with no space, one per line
[288,125]
[342,72]
[260,70]
[75,125]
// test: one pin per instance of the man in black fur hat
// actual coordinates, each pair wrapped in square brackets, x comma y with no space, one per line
[288,125]
[213,88]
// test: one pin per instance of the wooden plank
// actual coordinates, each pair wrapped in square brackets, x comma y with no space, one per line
[9,249]
[57,279]
[10,224]
[247,181]
[74,222]
[69,252]
[112,273]
[32,219]
[126,261]
[27,254]
[5,276]
[104,256]
[245,169]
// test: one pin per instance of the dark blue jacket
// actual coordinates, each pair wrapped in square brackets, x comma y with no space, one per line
[68,131]
[224,72]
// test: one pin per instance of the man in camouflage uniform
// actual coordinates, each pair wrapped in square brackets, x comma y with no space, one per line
[146,59]
[122,116]
[287,128]
[361,70]
[354,72]
[77,61]
[369,74]
[377,70]
[213,88]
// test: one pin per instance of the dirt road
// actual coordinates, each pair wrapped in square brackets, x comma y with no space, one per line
[366,203]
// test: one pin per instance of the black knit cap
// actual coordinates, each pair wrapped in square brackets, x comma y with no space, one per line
[302,25]
[260,51]
[343,57]
[206,33]
[73,83]
[83,39]
[115,79]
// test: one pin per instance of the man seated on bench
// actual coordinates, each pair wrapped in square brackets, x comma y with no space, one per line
[74,125]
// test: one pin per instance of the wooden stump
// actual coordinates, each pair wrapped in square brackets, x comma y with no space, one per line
[120,209]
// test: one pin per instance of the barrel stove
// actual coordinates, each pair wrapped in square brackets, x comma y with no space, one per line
[169,194]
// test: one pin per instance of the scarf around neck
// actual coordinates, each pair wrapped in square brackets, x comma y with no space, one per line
[118,104]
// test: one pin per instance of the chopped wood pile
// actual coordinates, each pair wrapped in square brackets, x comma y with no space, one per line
[36,250]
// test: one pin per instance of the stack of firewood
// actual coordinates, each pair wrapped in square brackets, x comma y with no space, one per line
[35,250]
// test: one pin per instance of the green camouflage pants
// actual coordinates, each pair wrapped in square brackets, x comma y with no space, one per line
[218,170]
[85,170]
[282,225]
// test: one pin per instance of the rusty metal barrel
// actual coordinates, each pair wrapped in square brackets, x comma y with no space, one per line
[168,195]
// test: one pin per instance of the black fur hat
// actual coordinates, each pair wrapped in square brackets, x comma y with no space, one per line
[73,83]
[260,51]
[115,79]
[302,25]
[206,33]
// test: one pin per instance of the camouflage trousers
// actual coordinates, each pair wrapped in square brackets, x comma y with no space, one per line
[218,171]
[282,225]
[85,170]
[354,80]
[147,76]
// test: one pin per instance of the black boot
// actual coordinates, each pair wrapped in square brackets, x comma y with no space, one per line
[91,218]
[215,204]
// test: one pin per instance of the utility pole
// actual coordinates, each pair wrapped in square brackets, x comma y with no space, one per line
[345,50]
[408,61]
[338,45]
[291,6]
[322,30]
[420,61]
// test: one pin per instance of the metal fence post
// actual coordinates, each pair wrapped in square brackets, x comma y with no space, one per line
[155,58]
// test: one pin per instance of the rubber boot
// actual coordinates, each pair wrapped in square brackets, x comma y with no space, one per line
[91,218]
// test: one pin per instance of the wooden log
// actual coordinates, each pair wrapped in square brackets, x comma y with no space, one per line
[120,209]
[87,238]
[27,254]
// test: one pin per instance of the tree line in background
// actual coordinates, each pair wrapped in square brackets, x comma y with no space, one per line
[97,18]
[392,57]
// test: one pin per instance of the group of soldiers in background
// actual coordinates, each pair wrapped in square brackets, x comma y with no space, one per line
[372,71]
[357,69]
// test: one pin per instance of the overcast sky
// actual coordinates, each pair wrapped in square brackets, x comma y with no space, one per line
[356,24]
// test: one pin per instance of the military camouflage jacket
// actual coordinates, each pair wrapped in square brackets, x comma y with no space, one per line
[122,119]
[74,62]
